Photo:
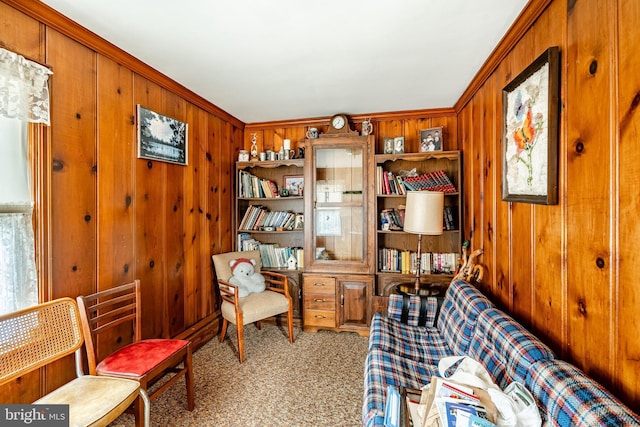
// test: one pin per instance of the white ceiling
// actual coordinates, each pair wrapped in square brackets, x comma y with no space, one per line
[288,59]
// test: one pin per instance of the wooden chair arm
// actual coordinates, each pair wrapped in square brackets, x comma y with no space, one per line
[228,292]
[276,282]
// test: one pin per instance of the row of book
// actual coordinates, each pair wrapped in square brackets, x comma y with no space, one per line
[251,186]
[403,261]
[432,181]
[272,255]
[389,183]
[393,219]
[258,217]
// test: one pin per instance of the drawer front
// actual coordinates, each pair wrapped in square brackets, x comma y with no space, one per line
[320,318]
[320,302]
[319,285]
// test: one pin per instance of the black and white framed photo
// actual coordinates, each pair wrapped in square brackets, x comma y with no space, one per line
[388,145]
[431,139]
[398,144]
[161,138]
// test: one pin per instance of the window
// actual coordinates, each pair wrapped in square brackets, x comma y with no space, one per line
[18,277]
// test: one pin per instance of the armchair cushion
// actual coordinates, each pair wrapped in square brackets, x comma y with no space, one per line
[256,307]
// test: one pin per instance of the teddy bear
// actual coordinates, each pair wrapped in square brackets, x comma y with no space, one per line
[245,277]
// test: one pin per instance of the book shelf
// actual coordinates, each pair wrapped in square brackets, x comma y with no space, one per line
[265,219]
[396,249]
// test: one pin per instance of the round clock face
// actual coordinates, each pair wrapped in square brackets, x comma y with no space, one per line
[338,122]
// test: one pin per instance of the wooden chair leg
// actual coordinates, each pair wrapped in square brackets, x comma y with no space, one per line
[240,333]
[223,330]
[290,324]
[259,324]
[138,412]
[188,379]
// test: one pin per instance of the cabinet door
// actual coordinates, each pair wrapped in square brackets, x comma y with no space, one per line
[339,231]
[355,294]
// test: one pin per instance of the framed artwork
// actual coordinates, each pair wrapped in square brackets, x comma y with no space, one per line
[161,138]
[398,144]
[294,184]
[431,139]
[299,222]
[328,222]
[530,105]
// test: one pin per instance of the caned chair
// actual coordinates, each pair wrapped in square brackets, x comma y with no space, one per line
[144,361]
[256,306]
[36,336]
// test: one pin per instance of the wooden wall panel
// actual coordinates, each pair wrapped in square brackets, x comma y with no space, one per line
[115,159]
[176,182]
[626,289]
[589,251]
[74,166]
[150,206]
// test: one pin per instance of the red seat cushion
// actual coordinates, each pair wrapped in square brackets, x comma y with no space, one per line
[136,359]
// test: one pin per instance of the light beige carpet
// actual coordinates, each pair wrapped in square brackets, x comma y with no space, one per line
[317,381]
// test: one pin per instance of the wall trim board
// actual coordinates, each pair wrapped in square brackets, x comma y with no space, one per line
[355,118]
[518,29]
[69,28]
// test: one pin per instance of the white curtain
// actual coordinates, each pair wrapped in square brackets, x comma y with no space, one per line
[24,97]
[24,93]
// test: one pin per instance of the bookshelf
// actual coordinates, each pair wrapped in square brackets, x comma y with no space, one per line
[396,250]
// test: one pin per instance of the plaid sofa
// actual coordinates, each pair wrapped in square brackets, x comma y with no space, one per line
[404,354]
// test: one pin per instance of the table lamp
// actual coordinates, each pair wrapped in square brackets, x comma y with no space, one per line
[423,216]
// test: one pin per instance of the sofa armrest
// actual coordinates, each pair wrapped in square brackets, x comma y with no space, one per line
[414,310]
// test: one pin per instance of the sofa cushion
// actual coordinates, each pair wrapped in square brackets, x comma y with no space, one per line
[383,368]
[505,348]
[419,343]
[428,305]
[459,313]
[570,398]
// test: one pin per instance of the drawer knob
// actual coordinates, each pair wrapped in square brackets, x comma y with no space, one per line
[320,300]
[318,284]
[319,316]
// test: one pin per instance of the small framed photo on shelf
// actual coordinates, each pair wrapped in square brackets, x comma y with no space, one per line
[299,222]
[398,144]
[431,139]
[388,145]
[294,184]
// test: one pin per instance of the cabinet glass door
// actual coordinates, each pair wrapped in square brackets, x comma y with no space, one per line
[339,209]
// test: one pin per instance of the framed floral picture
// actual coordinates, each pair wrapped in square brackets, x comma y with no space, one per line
[530,105]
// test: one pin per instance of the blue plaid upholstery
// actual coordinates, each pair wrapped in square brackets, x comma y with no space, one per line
[419,343]
[505,348]
[570,398]
[460,309]
[394,309]
[382,369]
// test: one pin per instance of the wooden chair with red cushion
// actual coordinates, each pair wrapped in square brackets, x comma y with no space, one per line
[145,361]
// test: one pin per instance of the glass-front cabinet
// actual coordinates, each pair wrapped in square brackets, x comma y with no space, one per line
[339,170]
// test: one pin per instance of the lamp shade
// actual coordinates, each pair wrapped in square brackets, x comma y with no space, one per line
[424,212]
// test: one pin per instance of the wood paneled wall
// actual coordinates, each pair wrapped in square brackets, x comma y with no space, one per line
[568,271]
[104,216]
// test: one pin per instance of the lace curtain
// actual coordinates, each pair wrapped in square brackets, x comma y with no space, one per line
[24,97]
[18,278]
[24,93]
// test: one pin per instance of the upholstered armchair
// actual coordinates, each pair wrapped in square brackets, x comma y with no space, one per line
[255,307]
